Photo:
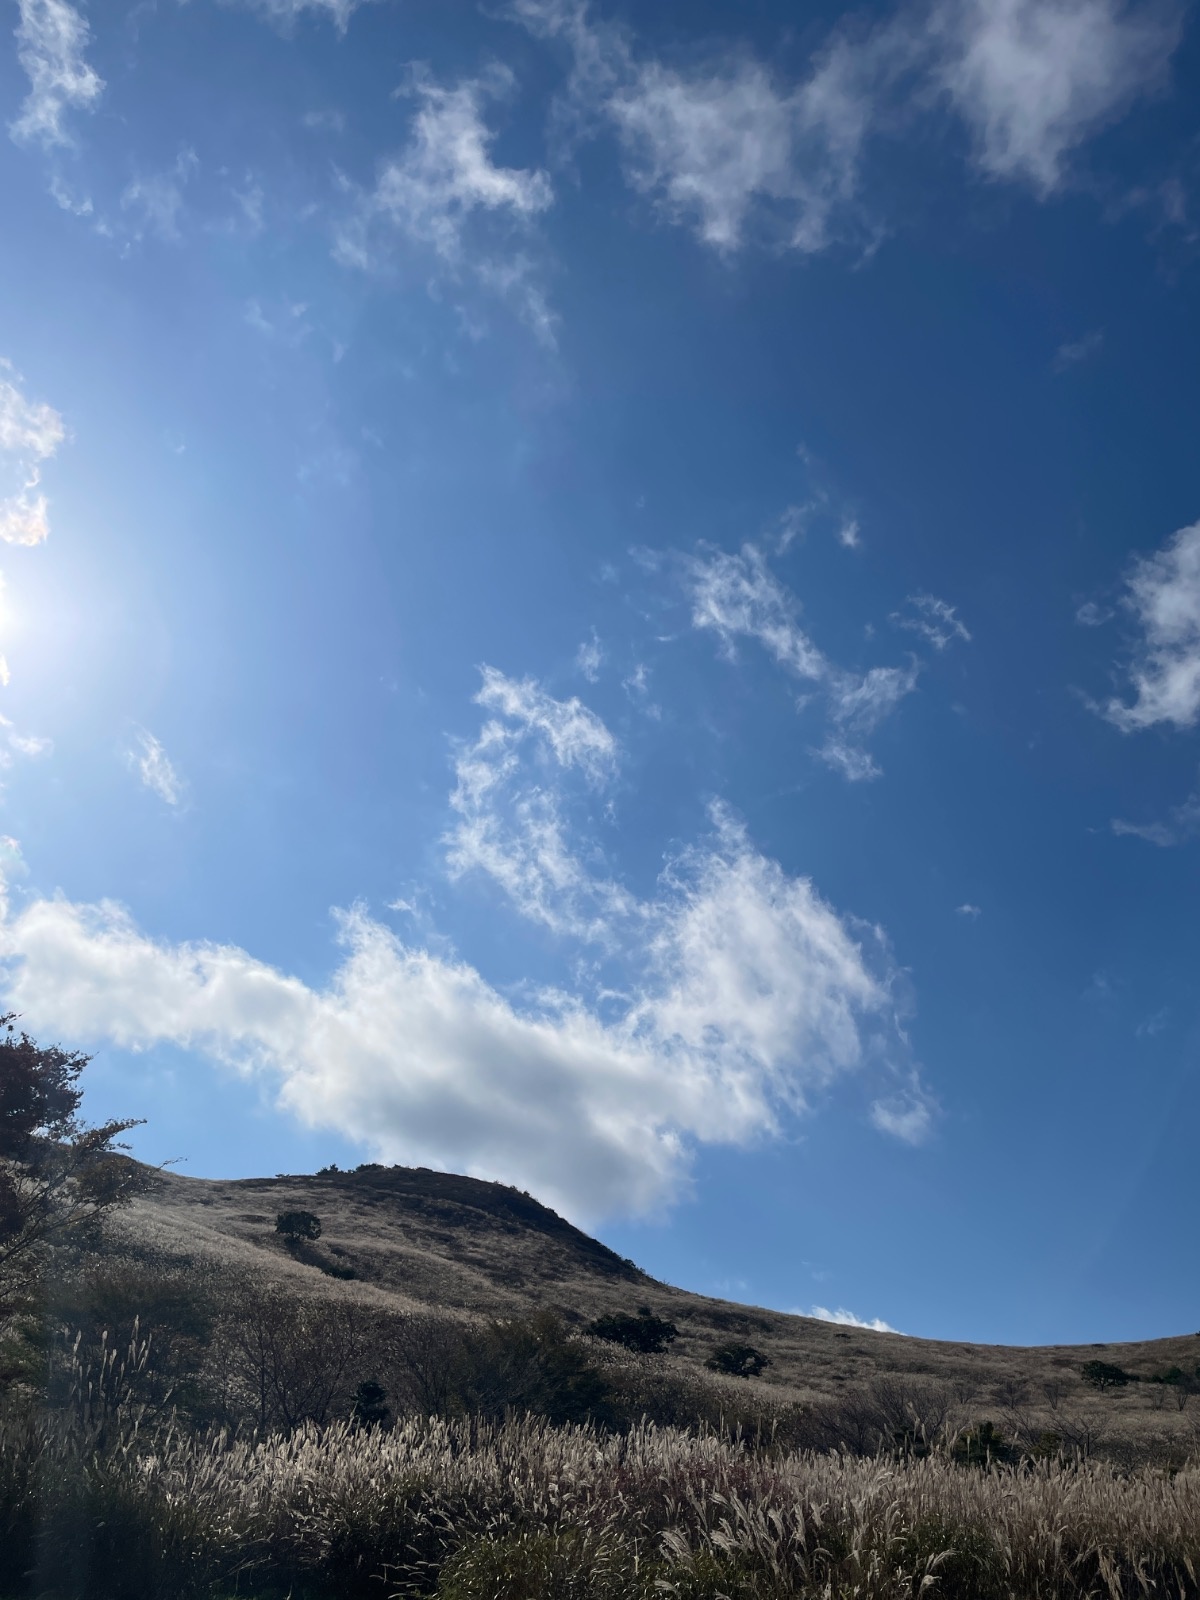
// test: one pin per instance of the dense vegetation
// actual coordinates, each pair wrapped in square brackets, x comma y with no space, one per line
[247,1437]
[524,1510]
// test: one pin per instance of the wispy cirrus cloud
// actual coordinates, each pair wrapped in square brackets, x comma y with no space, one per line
[1182,823]
[510,805]
[1163,595]
[736,596]
[155,769]
[1074,352]
[30,433]
[937,621]
[52,37]
[444,193]
[285,14]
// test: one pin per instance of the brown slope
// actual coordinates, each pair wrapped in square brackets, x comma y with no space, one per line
[410,1236]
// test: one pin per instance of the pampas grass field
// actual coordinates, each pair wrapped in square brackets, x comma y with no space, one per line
[522,1510]
[222,1450]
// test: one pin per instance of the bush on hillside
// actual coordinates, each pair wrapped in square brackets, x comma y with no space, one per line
[646,1333]
[527,1366]
[1103,1375]
[737,1361]
[298,1225]
[370,1408]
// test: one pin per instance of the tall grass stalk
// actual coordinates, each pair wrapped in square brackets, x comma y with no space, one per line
[525,1511]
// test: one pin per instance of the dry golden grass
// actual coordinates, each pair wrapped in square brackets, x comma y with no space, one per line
[471,1249]
[524,1511]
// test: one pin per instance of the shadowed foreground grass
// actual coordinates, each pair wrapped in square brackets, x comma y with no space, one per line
[526,1511]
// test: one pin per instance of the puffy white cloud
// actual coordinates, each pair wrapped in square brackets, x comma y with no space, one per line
[30,433]
[51,39]
[759,978]
[155,769]
[737,152]
[1164,596]
[715,148]
[1034,78]
[847,1319]
[416,1055]
[736,596]
[742,994]
[935,620]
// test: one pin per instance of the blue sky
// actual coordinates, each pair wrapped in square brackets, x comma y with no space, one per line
[609,597]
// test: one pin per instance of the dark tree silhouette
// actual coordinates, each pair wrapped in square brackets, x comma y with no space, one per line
[297,1225]
[59,1176]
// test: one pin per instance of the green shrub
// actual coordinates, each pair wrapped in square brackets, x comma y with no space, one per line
[297,1225]
[646,1333]
[1103,1375]
[737,1360]
[531,1366]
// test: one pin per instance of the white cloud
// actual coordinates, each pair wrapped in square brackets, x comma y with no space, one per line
[907,1116]
[510,804]
[968,910]
[589,658]
[733,150]
[15,743]
[157,198]
[722,148]
[935,620]
[1034,78]
[1183,823]
[1076,350]
[51,39]
[736,596]
[849,534]
[155,769]
[286,13]
[847,1319]
[1164,596]
[752,994]
[1092,615]
[442,189]
[30,433]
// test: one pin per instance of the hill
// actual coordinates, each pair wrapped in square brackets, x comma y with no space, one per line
[406,1239]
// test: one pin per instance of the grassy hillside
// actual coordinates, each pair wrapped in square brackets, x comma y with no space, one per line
[403,1239]
[416,1402]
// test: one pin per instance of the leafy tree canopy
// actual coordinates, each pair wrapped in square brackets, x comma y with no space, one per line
[58,1175]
